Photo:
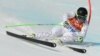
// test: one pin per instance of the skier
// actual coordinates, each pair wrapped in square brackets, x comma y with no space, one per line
[72,29]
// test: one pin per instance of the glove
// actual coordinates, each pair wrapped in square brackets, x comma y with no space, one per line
[80,39]
[65,24]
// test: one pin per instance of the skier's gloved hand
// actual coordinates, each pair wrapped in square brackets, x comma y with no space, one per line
[80,39]
[66,24]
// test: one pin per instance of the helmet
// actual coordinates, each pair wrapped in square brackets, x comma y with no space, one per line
[82,11]
[82,14]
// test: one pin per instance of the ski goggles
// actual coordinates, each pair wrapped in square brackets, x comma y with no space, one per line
[82,18]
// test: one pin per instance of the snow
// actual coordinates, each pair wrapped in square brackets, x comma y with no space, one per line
[12,13]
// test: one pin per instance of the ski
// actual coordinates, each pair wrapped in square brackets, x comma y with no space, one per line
[43,42]
[78,49]
[30,39]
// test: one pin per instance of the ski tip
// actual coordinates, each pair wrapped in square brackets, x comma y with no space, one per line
[54,45]
[78,50]
[84,51]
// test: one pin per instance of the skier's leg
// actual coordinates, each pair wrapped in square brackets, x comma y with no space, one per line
[55,33]
[67,37]
[40,35]
[58,31]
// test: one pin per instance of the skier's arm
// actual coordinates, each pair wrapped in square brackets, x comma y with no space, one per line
[82,34]
[84,29]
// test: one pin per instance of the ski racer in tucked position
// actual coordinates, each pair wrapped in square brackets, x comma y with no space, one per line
[72,29]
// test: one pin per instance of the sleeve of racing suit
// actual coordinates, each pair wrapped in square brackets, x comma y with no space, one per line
[84,30]
[82,34]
